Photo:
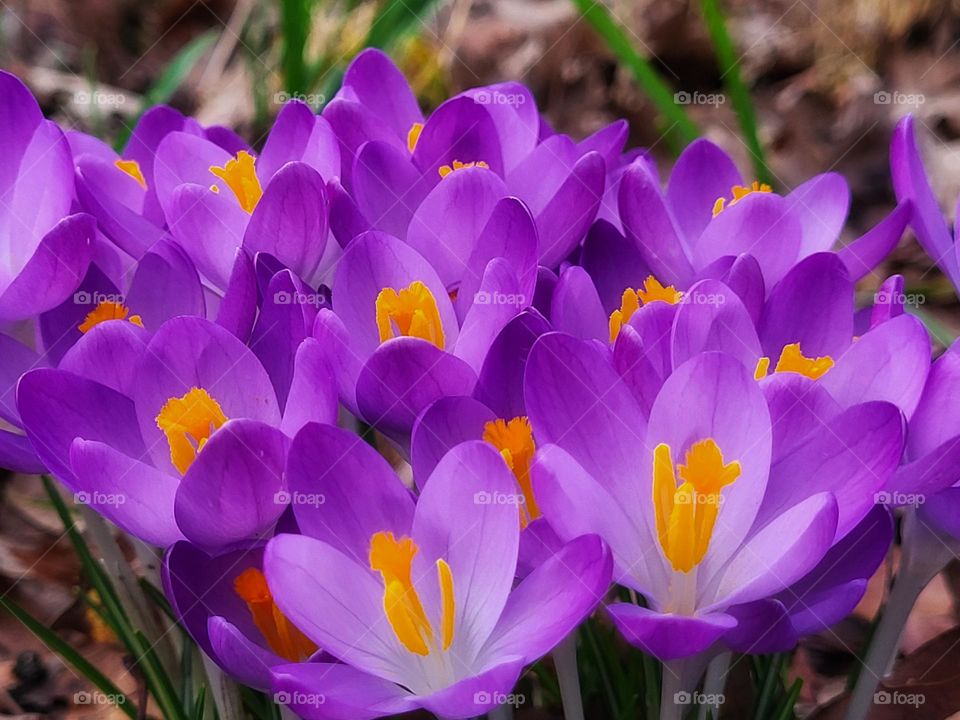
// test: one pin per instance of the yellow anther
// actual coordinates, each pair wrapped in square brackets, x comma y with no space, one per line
[514,440]
[738,192]
[412,311]
[188,422]
[108,310]
[240,176]
[793,360]
[414,135]
[652,291]
[132,168]
[282,636]
[685,515]
[445,170]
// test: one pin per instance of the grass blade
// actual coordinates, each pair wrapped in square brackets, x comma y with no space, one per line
[680,129]
[735,87]
[71,656]
[396,20]
[295,22]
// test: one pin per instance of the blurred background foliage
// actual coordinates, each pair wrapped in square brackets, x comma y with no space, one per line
[791,88]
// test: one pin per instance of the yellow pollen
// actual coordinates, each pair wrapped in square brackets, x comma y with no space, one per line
[445,170]
[108,310]
[738,192]
[188,422]
[514,440]
[652,291]
[411,312]
[414,135]
[132,168]
[686,515]
[793,360]
[393,559]
[282,636]
[240,176]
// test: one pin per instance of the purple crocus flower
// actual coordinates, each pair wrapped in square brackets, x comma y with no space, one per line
[117,188]
[396,337]
[725,491]
[709,223]
[178,434]
[214,201]
[434,182]
[416,601]
[46,246]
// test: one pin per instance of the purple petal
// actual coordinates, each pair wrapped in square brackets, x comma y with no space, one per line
[290,221]
[888,363]
[387,188]
[812,305]
[442,426]
[238,309]
[355,491]
[134,495]
[710,316]
[327,691]
[500,385]
[313,390]
[165,285]
[465,515]
[564,221]
[668,637]
[236,478]
[702,173]
[613,262]
[405,375]
[821,205]
[649,224]
[576,308]
[373,80]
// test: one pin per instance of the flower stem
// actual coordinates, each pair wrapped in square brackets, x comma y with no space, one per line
[565,661]
[925,552]
[714,682]
[503,712]
[226,693]
[671,689]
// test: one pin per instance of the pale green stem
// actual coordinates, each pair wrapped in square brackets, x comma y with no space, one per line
[226,693]
[504,712]
[565,661]
[672,706]
[925,552]
[714,683]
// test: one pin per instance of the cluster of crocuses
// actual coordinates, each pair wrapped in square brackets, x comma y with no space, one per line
[595,381]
